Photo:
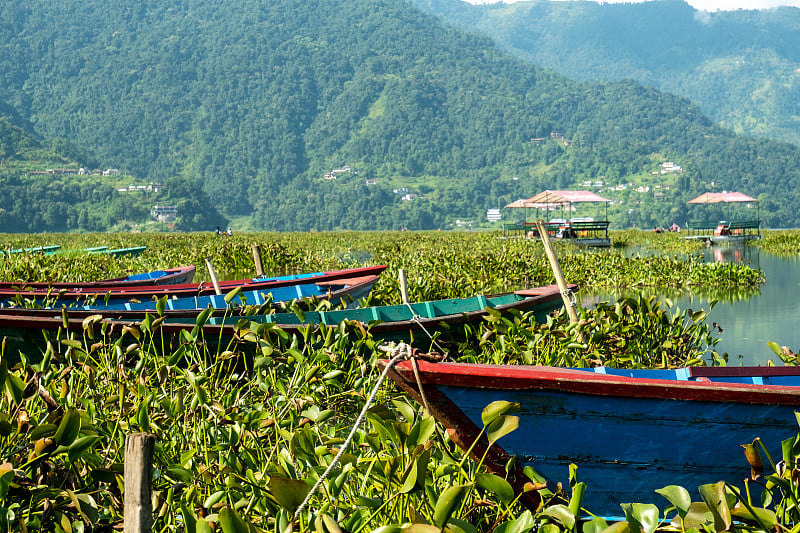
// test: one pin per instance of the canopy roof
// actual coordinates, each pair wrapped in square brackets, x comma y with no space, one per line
[721,197]
[555,198]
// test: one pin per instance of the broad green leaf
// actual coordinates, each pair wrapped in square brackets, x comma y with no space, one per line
[576,499]
[202,527]
[416,474]
[6,477]
[449,499]
[698,517]
[69,428]
[161,305]
[143,414]
[3,364]
[454,525]
[764,517]
[233,294]
[678,497]
[43,430]
[561,514]
[496,485]
[501,426]
[421,431]
[524,523]
[231,522]
[72,343]
[497,409]
[325,523]
[372,503]
[13,386]
[202,318]
[405,409]
[189,518]
[595,525]
[82,444]
[642,517]
[290,493]
[788,447]
[180,474]
[214,499]
[714,496]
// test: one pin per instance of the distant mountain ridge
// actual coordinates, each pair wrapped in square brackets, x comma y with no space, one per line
[741,66]
[251,104]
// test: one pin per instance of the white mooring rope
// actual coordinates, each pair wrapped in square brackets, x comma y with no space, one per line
[401,351]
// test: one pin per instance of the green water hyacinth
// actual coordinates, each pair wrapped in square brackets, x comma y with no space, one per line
[243,431]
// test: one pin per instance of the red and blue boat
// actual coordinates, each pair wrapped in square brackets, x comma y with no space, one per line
[340,293]
[72,296]
[167,276]
[630,432]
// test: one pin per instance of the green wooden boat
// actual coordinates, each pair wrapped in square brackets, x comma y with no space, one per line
[36,249]
[119,252]
[416,323]
[396,321]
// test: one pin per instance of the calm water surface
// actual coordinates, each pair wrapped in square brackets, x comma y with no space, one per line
[773,314]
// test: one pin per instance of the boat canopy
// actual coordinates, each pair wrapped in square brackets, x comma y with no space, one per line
[722,197]
[546,199]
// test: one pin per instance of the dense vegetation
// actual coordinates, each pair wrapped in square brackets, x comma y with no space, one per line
[242,434]
[739,66]
[250,105]
[39,196]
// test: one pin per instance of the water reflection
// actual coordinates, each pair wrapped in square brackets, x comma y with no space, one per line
[748,318]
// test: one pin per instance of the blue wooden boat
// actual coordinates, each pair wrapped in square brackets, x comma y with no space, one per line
[167,276]
[629,432]
[339,292]
[80,296]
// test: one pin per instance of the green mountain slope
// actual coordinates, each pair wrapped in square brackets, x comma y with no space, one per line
[742,67]
[253,103]
[46,191]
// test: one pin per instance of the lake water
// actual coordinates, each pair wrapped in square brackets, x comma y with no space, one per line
[748,323]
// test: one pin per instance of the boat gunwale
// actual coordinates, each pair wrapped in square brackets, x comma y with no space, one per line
[579,381]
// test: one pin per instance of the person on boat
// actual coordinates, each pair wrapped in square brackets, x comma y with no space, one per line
[219,231]
[229,232]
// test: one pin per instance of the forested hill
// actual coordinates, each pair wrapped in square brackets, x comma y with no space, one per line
[45,190]
[256,102]
[742,67]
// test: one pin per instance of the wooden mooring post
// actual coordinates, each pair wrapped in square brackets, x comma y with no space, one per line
[213,274]
[138,474]
[401,274]
[257,260]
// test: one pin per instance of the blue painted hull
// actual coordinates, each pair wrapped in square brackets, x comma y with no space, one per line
[629,432]
[626,449]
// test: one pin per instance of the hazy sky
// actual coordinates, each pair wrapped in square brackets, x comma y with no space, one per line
[707,5]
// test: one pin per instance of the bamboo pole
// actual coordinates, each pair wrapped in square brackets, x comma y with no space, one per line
[569,303]
[213,275]
[138,472]
[257,260]
[401,273]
